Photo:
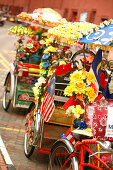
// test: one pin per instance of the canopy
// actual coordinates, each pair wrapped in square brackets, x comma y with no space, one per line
[100,35]
[43,16]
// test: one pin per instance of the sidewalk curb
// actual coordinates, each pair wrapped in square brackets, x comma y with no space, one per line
[6,158]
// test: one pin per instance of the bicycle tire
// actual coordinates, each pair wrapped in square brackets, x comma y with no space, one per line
[6,94]
[62,149]
[28,146]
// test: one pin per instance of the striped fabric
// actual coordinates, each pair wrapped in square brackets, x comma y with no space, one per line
[69,136]
[47,106]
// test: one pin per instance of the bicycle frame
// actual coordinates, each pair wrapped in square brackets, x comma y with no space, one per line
[82,147]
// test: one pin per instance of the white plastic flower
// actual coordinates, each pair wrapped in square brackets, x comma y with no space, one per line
[90,31]
[38,84]
[86,33]
[69,110]
[106,22]
[101,25]
[96,28]
[80,36]
[41,80]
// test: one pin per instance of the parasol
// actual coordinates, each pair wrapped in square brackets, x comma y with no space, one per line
[101,35]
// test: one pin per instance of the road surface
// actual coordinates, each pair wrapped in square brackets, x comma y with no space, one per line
[12,122]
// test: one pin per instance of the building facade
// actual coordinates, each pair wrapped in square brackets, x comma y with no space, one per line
[73,10]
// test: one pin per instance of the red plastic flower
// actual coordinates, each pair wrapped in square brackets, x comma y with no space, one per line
[30,41]
[21,55]
[27,50]
[34,49]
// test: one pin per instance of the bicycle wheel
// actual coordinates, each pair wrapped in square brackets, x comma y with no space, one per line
[59,154]
[30,130]
[6,94]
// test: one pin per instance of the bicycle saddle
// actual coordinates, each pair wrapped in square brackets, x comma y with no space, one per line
[81,134]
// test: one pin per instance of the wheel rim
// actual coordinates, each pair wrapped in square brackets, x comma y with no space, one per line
[58,159]
[6,95]
[27,145]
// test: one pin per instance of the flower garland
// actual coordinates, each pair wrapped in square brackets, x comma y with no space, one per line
[69,32]
[19,30]
[42,17]
[83,89]
[45,70]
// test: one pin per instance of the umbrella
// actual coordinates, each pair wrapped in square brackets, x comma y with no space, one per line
[101,35]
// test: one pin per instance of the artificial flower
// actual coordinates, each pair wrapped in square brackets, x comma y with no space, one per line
[45,56]
[36,91]
[69,110]
[41,65]
[29,45]
[90,77]
[91,93]
[29,41]
[48,41]
[94,87]
[38,84]
[34,49]
[68,91]
[45,64]
[76,124]
[77,111]
[21,55]
[42,42]
[62,63]
[79,97]
[46,51]
[79,87]
[83,125]
[69,32]
[43,72]
[50,49]
[42,80]
[77,76]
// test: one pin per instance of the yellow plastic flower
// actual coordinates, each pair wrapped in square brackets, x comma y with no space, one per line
[36,93]
[52,49]
[91,93]
[68,91]
[46,51]
[77,111]
[35,90]
[62,63]
[48,41]
[77,76]
[90,77]
[80,88]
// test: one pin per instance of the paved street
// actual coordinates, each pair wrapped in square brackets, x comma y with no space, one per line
[12,122]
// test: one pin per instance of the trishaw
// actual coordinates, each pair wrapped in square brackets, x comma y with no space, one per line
[76,147]
[24,70]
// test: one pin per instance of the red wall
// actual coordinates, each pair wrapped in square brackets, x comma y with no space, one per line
[103,8]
